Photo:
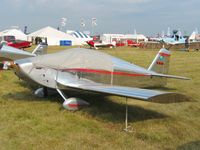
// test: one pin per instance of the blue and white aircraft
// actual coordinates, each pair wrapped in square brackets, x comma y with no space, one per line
[174,39]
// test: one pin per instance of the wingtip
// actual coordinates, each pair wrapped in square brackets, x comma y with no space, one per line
[169,98]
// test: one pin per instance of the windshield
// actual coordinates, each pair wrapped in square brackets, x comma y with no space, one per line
[9,38]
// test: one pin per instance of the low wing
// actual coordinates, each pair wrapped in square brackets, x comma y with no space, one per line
[136,93]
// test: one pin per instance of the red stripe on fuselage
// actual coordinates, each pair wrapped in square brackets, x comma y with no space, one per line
[164,54]
[104,72]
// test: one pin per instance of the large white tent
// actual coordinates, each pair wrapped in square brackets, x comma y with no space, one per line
[54,36]
[109,38]
[19,35]
[81,37]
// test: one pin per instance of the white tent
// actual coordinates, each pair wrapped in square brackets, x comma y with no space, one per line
[19,35]
[53,36]
[120,37]
[109,38]
[81,37]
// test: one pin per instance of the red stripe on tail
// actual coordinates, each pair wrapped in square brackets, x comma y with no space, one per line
[164,54]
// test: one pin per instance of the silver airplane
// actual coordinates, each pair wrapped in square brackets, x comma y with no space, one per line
[89,70]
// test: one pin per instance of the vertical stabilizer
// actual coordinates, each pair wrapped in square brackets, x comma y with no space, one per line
[161,62]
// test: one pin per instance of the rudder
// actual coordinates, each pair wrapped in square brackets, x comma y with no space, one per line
[160,63]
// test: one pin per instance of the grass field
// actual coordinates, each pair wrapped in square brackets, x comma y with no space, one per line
[28,122]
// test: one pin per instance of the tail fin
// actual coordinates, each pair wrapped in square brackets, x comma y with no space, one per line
[40,49]
[161,62]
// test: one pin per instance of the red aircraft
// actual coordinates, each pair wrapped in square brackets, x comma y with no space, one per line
[11,41]
[96,45]
[134,44]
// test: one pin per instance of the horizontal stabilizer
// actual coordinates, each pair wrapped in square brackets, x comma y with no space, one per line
[170,76]
[12,53]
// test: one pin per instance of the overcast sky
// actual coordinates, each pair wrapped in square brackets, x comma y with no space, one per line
[113,16]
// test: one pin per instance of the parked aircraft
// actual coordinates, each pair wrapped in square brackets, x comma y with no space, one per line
[11,41]
[97,45]
[174,39]
[134,44]
[94,71]
[10,53]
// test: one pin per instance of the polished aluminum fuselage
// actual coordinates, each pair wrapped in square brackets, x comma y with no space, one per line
[123,74]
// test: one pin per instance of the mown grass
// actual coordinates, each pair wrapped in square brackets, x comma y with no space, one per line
[28,122]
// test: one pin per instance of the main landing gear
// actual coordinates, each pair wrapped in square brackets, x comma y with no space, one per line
[71,104]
